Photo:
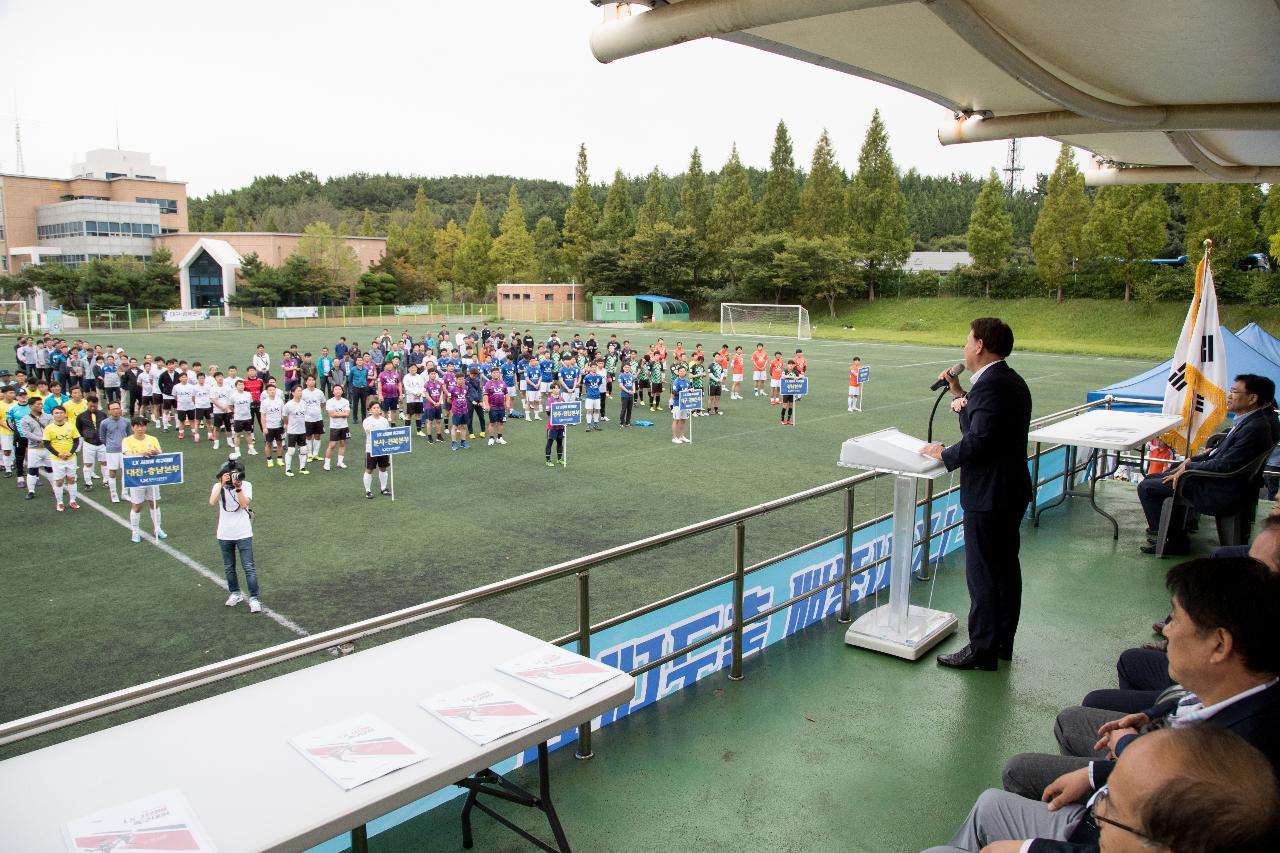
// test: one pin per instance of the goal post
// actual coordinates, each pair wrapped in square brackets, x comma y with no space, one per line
[765,321]
[15,317]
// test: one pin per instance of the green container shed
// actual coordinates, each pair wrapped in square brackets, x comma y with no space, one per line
[639,308]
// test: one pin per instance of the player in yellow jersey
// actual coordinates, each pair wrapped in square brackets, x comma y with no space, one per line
[76,404]
[7,393]
[62,440]
[141,444]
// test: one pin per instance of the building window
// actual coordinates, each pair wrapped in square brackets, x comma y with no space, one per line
[527,297]
[4,263]
[547,297]
[205,275]
[166,205]
[506,296]
[168,230]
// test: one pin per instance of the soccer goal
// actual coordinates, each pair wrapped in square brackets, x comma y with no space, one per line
[14,317]
[778,321]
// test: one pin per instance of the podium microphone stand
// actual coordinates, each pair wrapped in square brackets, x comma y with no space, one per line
[898,628]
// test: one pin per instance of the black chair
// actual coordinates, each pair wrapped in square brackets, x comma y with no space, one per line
[1235,527]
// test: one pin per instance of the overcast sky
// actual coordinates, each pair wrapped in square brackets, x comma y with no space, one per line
[220,92]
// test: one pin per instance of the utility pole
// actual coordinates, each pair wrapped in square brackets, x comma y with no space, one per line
[1013,168]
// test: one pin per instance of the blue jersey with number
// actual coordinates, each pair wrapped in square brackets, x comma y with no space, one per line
[628,383]
[594,384]
[568,377]
[508,372]
[679,384]
[546,366]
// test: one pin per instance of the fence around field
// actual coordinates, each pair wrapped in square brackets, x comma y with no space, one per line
[130,319]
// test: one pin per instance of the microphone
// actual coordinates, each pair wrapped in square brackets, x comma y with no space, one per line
[953,371]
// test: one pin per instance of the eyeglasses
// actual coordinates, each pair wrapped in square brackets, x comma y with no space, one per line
[1093,818]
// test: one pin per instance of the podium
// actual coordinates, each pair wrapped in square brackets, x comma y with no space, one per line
[898,628]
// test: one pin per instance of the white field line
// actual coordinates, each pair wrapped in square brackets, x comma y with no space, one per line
[199,568]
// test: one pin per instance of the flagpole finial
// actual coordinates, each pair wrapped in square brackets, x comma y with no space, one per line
[1208,246]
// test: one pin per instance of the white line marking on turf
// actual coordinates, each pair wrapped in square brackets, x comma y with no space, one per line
[200,569]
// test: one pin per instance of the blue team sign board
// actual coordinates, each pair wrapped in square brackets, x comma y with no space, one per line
[794,386]
[691,399]
[163,469]
[389,442]
[567,413]
[864,374]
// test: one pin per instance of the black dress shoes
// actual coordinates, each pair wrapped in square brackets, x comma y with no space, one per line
[1005,653]
[967,658]
[1171,549]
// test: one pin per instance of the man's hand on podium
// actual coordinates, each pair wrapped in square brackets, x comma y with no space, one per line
[959,403]
[932,450]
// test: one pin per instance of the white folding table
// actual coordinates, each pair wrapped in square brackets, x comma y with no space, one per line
[231,758]
[1098,430]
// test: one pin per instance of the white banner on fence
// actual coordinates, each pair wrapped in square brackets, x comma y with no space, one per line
[186,315]
[297,311]
[413,309]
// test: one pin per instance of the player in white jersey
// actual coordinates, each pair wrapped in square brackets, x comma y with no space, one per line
[221,395]
[314,398]
[242,419]
[184,396]
[271,410]
[415,389]
[339,409]
[204,408]
[146,387]
[382,463]
[295,419]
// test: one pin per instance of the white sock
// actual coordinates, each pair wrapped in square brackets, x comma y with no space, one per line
[155,517]
[368,480]
[72,490]
[57,494]
[288,459]
[382,479]
[88,473]
[33,475]
[302,461]
[134,518]
[340,458]
[111,486]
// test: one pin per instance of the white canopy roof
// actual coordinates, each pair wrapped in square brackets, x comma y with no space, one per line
[1168,90]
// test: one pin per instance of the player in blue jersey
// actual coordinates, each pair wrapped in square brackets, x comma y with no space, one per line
[679,417]
[507,367]
[568,379]
[593,392]
[627,389]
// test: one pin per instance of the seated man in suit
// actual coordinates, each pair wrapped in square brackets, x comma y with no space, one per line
[1221,648]
[1255,430]
[1198,788]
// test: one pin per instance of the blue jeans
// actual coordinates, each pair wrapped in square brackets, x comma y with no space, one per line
[245,547]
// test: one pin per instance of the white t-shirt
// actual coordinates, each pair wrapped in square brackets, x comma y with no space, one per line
[415,385]
[370,424]
[296,412]
[272,411]
[145,382]
[242,403]
[185,394]
[221,397]
[339,408]
[314,399]
[234,523]
[203,396]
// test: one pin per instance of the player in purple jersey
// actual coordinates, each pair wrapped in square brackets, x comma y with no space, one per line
[458,409]
[495,403]
[389,392]
[434,394]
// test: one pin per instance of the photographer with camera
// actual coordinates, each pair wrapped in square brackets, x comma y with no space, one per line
[231,495]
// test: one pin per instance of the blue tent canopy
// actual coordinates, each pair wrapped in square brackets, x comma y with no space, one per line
[1150,384]
[1258,338]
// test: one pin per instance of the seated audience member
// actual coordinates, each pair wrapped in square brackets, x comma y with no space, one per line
[1221,648]
[1198,789]
[1144,672]
[1255,430]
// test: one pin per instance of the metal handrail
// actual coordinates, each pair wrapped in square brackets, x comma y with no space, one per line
[580,567]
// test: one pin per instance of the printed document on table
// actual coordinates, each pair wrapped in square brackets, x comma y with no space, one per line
[560,671]
[159,823]
[358,750]
[902,441]
[483,711]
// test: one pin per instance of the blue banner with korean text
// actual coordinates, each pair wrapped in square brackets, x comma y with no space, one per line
[690,399]
[389,442]
[163,469]
[794,386]
[565,414]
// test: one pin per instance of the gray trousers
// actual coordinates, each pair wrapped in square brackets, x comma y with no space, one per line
[1076,730]
[1001,816]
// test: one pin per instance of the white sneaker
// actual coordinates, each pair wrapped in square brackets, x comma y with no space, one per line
[115,499]
[342,465]
[135,538]
[160,534]
[233,599]
[254,606]
[675,441]
[501,440]
[216,443]
[687,440]
[235,454]
[491,442]
[253,451]
[326,464]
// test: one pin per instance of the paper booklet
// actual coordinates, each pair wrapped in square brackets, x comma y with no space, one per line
[482,711]
[560,671]
[358,750]
[159,823]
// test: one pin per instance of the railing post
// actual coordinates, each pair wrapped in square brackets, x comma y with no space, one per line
[584,648]
[1035,484]
[739,584]
[846,578]
[926,571]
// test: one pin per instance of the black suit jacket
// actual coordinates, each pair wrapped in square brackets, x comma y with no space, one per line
[992,454]
[1257,433]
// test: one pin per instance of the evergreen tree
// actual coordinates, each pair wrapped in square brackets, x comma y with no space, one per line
[732,211]
[654,210]
[877,208]
[619,219]
[1222,213]
[230,222]
[159,285]
[579,219]
[474,270]
[272,226]
[1270,217]
[546,248]
[781,199]
[695,198]
[1125,229]
[448,244]
[333,265]
[822,207]
[513,255]
[366,225]
[1057,237]
[990,230]
[420,233]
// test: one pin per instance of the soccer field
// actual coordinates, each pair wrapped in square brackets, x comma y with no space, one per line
[88,612]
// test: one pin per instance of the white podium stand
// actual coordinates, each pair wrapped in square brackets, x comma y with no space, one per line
[898,628]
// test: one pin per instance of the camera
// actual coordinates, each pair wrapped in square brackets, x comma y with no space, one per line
[235,468]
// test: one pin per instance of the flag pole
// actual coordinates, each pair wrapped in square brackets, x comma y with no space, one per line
[1208,250]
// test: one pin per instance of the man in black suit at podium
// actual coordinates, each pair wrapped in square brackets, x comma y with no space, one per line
[995,488]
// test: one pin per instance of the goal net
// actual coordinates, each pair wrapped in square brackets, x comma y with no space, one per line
[778,321]
[14,317]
